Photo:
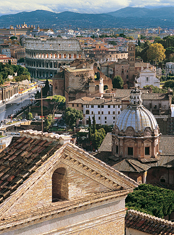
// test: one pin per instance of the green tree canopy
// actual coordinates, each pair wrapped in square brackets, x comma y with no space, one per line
[156,52]
[98,137]
[152,200]
[30,115]
[72,115]
[118,82]
[48,121]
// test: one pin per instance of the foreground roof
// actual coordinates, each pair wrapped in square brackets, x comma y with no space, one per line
[148,223]
[27,168]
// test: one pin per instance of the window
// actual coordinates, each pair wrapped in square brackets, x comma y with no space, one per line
[98,118]
[118,106]
[87,106]
[102,112]
[114,118]
[70,56]
[147,79]
[113,112]
[64,55]
[60,56]
[108,106]
[92,112]
[105,121]
[98,112]
[102,106]
[92,106]
[105,118]
[75,56]
[87,111]
[59,185]
[108,112]
[98,106]
[72,105]
[113,106]
[116,149]
[118,112]
[77,105]
[147,151]
[130,151]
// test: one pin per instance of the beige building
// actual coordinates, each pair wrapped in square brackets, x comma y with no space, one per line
[78,80]
[54,187]
[5,59]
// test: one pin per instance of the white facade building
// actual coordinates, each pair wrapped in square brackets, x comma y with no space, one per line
[148,77]
[169,68]
[105,111]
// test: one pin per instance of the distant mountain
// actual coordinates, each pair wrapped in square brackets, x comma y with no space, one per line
[140,12]
[126,17]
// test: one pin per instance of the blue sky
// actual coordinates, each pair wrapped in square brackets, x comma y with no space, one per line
[87,6]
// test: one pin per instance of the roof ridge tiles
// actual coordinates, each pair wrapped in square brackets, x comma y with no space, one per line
[156,223]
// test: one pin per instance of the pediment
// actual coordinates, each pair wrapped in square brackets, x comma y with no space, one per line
[84,176]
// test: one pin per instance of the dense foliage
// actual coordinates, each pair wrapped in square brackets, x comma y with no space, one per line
[152,200]
[8,69]
[155,89]
[72,115]
[156,52]
[98,137]
[46,89]
[118,82]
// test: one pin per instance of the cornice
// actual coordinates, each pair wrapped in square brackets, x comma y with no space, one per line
[59,209]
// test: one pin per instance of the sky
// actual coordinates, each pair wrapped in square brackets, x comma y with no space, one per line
[81,6]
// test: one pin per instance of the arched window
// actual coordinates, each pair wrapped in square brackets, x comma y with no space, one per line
[59,185]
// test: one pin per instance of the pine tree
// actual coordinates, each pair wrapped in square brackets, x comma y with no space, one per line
[94,124]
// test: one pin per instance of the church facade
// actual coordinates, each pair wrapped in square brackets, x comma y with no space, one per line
[49,186]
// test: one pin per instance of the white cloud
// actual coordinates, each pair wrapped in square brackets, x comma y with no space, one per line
[88,6]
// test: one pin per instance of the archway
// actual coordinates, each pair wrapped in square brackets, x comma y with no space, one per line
[59,185]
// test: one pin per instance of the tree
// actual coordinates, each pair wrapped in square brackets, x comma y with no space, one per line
[59,102]
[46,88]
[151,200]
[72,115]
[48,121]
[117,82]
[94,124]
[89,122]
[30,116]
[98,137]
[156,52]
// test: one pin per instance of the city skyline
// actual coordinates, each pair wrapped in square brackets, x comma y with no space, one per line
[102,6]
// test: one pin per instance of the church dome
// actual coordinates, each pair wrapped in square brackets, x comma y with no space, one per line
[136,115]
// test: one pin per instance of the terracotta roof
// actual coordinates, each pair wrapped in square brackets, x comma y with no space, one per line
[20,159]
[148,224]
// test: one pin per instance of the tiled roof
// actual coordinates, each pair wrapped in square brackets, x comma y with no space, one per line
[20,159]
[131,165]
[155,96]
[166,145]
[148,224]
[106,145]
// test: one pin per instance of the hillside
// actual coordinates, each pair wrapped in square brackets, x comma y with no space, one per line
[126,17]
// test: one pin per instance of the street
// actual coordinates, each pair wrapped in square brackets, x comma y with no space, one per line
[14,105]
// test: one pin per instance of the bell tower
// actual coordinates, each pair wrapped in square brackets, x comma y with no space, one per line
[131,61]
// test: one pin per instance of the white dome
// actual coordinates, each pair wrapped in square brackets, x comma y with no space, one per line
[137,117]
